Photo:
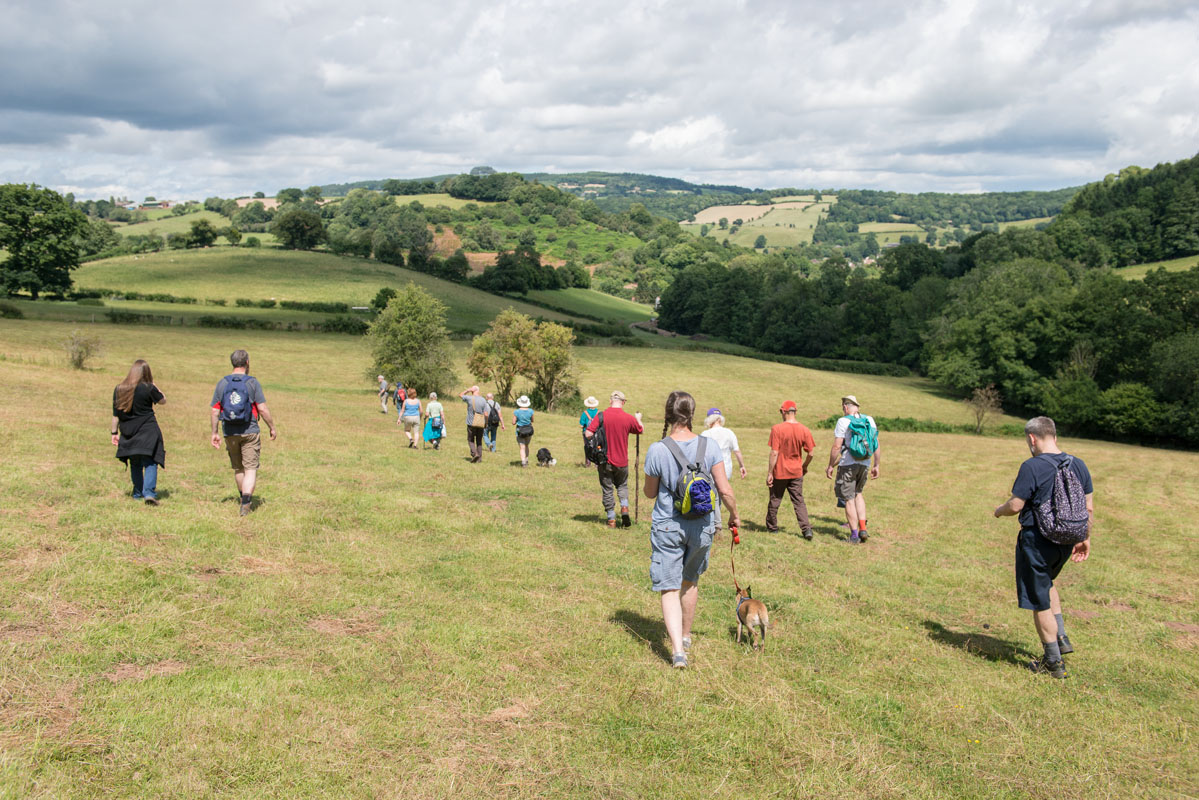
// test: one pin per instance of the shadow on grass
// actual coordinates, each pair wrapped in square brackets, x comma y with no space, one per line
[992,648]
[256,502]
[832,531]
[650,631]
[597,519]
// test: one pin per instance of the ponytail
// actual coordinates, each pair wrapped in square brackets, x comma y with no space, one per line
[680,408]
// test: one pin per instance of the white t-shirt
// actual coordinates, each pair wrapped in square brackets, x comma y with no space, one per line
[841,431]
[728,443]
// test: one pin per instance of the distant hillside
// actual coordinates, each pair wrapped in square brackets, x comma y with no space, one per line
[1137,216]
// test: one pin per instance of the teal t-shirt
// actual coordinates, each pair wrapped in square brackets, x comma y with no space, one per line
[524,416]
[587,415]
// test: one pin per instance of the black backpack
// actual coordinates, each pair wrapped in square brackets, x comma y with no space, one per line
[596,447]
[1063,518]
[493,416]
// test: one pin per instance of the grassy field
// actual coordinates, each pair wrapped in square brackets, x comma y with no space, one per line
[391,623]
[1173,265]
[595,304]
[168,224]
[783,225]
[891,232]
[440,199]
[230,273]
[1024,223]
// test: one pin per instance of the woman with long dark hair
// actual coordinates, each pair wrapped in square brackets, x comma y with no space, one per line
[135,431]
[679,539]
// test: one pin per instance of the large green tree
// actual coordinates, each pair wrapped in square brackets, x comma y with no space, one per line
[410,343]
[503,351]
[41,232]
[298,229]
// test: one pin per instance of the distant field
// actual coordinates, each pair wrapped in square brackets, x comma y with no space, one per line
[1173,265]
[1024,223]
[783,224]
[596,304]
[183,223]
[436,200]
[891,232]
[230,273]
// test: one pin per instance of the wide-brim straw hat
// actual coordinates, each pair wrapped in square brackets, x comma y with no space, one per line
[849,398]
[591,402]
[523,401]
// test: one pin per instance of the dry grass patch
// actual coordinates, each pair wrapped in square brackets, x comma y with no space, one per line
[127,671]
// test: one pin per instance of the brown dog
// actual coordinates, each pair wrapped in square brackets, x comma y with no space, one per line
[751,613]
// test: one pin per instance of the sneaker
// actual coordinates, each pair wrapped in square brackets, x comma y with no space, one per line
[625,520]
[808,534]
[686,644]
[244,510]
[1055,668]
[1063,644]
[611,523]
[680,661]
[854,538]
[863,536]
[151,501]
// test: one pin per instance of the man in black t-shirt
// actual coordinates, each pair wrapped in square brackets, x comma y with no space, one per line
[1038,560]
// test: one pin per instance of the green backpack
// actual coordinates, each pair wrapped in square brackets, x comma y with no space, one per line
[862,438]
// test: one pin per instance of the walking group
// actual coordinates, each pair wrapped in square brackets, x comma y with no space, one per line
[687,475]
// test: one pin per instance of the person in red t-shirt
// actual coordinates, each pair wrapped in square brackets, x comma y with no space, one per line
[791,446]
[614,476]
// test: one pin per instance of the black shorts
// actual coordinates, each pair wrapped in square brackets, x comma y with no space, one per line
[1038,561]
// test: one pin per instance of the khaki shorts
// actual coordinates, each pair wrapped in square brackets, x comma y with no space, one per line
[243,451]
[851,480]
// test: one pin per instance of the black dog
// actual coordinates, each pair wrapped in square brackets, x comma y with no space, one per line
[544,459]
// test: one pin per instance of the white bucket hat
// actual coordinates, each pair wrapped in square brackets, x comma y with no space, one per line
[523,401]
[591,402]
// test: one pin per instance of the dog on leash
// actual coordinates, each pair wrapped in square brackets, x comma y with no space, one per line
[544,459]
[751,613]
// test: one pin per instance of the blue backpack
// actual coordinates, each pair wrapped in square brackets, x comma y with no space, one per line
[235,402]
[862,438]
[693,494]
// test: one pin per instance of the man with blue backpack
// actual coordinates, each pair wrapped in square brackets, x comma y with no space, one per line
[238,403]
[1053,496]
[855,443]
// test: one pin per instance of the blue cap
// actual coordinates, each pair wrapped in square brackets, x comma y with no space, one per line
[712,411]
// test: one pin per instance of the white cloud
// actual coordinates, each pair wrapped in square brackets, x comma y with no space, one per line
[226,97]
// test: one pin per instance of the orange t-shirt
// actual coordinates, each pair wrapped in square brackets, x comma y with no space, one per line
[790,439]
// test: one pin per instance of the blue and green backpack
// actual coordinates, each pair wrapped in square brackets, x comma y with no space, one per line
[694,493]
[862,438]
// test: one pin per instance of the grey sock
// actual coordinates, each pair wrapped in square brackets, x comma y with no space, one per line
[1052,651]
[1061,625]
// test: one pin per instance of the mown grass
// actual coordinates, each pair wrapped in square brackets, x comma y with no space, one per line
[438,199]
[1173,265]
[182,223]
[230,273]
[776,225]
[596,304]
[391,623]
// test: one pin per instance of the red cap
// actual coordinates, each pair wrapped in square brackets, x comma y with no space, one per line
[789,406]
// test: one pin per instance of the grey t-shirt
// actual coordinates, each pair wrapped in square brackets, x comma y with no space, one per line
[661,464]
[474,405]
[254,389]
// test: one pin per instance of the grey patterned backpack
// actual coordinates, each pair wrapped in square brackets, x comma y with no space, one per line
[1063,518]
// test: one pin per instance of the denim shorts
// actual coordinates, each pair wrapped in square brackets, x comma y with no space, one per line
[678,555]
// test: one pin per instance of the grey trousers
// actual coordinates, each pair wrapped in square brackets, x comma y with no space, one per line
[614,478]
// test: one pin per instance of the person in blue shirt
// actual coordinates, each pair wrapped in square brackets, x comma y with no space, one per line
[679,546]
[522,418]
[1038,560]
[590,409]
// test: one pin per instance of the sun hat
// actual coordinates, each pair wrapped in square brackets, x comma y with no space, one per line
[591,402]
[619,395]
[523,401]
[789,405]
[849,398]
[432,395]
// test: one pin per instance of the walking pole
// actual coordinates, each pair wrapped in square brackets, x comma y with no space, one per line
[637,482]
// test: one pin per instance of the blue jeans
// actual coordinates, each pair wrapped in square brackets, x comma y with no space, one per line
[144,473]
[489,437]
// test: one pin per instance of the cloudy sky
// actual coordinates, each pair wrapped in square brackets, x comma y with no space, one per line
[187,100]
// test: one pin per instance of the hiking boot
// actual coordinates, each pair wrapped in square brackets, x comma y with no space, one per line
[244,510]
[1057,669]
[151,501]
[680,661]
[863,536]
[624,518]
[1063,644]
[808,534]
[854,538]
[611,523]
